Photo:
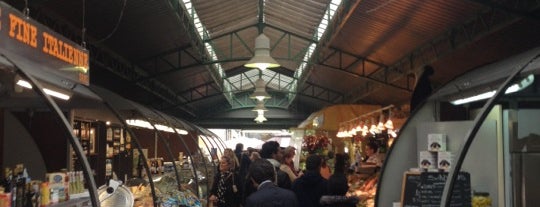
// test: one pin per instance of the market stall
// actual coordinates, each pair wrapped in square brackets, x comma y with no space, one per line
[484,116]
[350,129]
[39,72]
[81,145]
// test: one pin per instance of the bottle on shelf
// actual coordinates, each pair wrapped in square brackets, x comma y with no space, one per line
[108,170]
[7,182]
[45,194]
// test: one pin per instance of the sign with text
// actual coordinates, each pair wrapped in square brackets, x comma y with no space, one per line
[24,37]
[426,188]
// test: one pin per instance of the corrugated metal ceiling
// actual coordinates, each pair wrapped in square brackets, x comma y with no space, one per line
[370,54]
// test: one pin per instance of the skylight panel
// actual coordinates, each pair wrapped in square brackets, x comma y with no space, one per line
[321,29]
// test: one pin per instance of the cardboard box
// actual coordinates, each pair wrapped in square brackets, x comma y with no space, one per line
[427,160]
[444,160]
[436,142]
[57,185]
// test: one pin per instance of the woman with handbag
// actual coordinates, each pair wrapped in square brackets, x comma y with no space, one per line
[225,191]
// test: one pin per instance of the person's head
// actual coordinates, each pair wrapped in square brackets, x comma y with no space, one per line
[228,151]
[254,156]
[250,150]
[270,150]
[340,164]
[261,170]
[337,185]
[330,155]
[226,163]
[313,163]
[371,148]
[288,154]
[239,148]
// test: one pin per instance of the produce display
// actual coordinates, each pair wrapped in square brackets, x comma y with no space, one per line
[363,187]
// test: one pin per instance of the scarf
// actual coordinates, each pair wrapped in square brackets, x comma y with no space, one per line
[221,188]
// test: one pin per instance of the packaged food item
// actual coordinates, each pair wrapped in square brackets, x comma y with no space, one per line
[57,185]
[436,142]
[5,198]
[45,194]
[481,199]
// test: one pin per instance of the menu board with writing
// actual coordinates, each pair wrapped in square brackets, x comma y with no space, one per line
[426,188]
[410,193]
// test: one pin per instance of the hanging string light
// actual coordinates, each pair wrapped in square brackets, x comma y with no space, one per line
[389,124]
[366,123]
[380,125]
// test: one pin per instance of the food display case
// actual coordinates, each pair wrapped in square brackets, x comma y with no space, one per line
[471,143]
[175,151]
[68,139]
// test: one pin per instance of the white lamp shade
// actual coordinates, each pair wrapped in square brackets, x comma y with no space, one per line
[260,91]
[262,58]
[389,124]
[259,107]
[260,119]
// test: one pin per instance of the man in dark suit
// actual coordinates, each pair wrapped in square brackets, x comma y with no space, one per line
[268,194]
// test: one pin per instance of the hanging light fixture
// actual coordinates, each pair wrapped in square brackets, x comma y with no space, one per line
[373,129]
[262,58]
[260,91]
[260,117]
[380,125]
[389,124]
[259,107]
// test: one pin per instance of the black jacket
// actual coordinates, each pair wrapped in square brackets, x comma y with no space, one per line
[270,195]
[309,188]
[338,201]
[232,199]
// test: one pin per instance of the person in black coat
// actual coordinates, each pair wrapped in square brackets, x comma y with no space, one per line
[268,194]
[423,88]
[244,160]
[310,187]
[338,186]
[225,192]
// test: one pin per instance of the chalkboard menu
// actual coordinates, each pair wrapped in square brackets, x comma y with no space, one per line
[425,189]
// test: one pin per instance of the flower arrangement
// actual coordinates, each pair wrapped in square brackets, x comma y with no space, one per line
[314,144]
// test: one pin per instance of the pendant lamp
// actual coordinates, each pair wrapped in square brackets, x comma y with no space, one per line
[262,58]
[259,107]
[260,92]
[260,117]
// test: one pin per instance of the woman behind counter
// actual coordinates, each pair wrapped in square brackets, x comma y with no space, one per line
[225,191]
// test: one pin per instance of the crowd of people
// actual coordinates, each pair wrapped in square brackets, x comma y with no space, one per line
[268,178]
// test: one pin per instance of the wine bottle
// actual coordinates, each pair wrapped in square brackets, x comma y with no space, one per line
[21,187]
[7,182]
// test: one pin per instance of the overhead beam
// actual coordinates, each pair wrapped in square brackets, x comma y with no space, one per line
[361,63]
[321,93]
[334,27]
[522,8]
[455,38]
[196,41]
[110,61]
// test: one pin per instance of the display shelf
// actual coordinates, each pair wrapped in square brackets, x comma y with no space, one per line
[78,202]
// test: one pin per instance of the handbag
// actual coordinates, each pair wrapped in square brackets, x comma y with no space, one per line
[234,188]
